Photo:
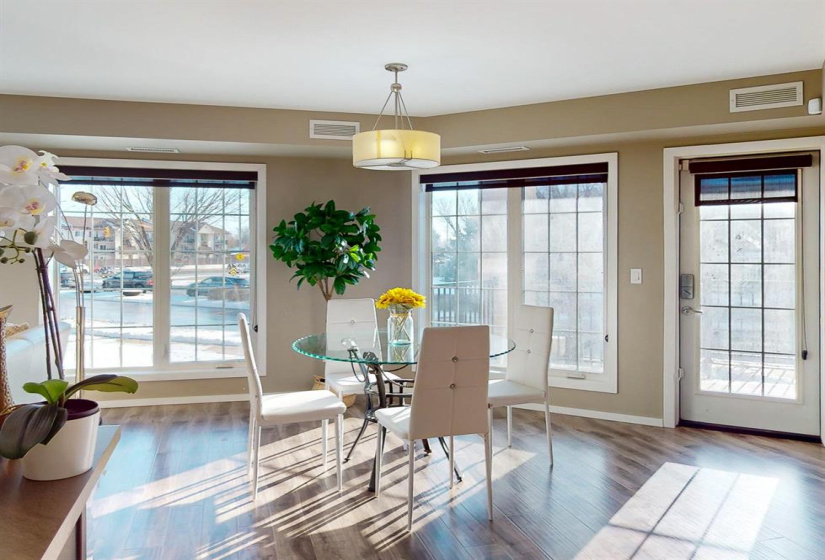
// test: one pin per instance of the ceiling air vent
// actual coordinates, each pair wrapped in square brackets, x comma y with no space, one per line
[504,150]
[154,150]
[766,97]
[333,130]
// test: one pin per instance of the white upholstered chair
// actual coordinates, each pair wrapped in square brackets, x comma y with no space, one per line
[287,408]
[449,399]
[525,381]
[345,316]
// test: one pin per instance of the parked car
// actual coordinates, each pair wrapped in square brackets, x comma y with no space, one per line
[130,279]
[67,279]
[215,285]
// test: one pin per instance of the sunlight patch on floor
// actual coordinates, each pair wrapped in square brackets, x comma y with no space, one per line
[687,512]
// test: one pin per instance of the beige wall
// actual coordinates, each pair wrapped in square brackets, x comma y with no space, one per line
[292,184]
[641,307]
[688,114]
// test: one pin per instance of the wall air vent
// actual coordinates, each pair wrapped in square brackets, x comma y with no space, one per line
[504,150]
[766,97]
[150,150]
[333,130]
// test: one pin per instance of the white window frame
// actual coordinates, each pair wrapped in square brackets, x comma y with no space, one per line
[606,382]
[213,369]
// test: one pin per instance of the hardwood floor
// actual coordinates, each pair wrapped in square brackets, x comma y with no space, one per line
[176,488]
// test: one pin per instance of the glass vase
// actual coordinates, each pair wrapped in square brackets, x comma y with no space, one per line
[400,328]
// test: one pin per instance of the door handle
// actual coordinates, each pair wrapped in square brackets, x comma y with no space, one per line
[688,310]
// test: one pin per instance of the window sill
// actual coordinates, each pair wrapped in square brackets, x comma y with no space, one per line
[176,374]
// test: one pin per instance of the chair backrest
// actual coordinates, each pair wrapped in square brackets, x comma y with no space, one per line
[355,315]
[256,392]
[450,392]
[532,331]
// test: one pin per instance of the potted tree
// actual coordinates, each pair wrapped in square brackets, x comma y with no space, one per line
[327,247]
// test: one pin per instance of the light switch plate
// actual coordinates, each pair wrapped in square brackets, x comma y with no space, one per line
[635,275]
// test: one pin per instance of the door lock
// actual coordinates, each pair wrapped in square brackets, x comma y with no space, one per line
[688,310]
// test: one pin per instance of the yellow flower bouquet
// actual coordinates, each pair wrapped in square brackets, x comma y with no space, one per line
[401,298]
[400,302]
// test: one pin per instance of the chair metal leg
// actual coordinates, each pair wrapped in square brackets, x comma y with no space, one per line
[324,442]
[509,426]
[339,445]
[379,457]
[357,438]
[410,487]
[452,460]
[256,459]
[548,427]
[488,460]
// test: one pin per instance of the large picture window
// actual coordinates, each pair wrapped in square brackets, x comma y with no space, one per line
[170,265]
[537,232]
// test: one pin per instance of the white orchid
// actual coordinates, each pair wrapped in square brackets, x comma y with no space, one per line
[47,169]
[18,166]
[69,253]
[40,236]
[31,200]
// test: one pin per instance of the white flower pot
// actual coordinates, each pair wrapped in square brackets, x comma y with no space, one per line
[71,451]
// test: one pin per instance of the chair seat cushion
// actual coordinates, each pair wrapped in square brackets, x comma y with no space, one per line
[347,384]
[300,406]
[508,393]
[396,419]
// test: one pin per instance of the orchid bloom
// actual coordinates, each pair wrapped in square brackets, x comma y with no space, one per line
[69,253]
[18,166]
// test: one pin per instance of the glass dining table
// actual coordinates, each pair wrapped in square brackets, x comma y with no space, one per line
[372,358]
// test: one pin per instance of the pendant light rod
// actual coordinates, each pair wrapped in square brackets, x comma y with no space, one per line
[400,108]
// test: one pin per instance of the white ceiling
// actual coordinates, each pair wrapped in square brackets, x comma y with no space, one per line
[329,55]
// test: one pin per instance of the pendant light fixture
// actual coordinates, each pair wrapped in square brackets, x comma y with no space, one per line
[399,148]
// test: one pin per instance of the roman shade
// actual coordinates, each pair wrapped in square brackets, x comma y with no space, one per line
[584,173]
[148,177]
[757,180]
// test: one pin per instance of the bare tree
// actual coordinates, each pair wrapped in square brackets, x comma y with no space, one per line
[131,208]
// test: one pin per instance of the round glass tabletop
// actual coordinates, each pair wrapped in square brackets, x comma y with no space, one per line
[336,347]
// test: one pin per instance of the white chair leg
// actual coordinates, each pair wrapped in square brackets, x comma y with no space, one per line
[548,427]
[490,428]
[488,460]
[250,440]
[509,426]
[324,436]
[452,460]
[379,459]
[410,486]
[256,459]
[339,445]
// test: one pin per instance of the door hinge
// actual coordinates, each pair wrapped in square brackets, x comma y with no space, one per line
[681,209]
[680,374]
[684,165]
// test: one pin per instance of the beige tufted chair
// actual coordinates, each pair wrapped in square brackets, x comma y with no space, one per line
[449,399]
[526,379]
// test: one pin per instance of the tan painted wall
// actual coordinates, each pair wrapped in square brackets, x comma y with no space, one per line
[641,307]
[292,184]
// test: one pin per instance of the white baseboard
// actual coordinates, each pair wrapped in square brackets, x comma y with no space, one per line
[598,415]
[162,401]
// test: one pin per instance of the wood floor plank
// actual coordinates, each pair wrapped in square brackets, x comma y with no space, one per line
[177,488]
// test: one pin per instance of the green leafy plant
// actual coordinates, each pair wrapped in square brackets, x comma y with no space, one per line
[30,424]
[327,247]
